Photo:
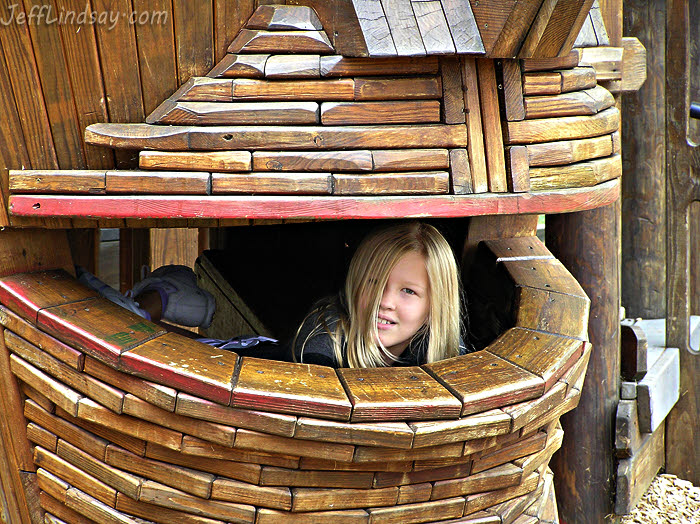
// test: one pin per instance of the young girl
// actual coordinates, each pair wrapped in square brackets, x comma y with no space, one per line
[400,305]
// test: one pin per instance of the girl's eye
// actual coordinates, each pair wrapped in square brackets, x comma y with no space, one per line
[408,291]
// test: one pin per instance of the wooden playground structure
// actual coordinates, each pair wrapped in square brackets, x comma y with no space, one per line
[228,115]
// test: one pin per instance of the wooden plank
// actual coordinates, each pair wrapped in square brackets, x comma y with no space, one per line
[475,145]
[383,479]
[39,181]
[547,64]
[334,465]
[517,169]
[61,511]
[272,423]
[552,312]
[364,454]
[283,387]
[628,437]
[403,27]
[235,113]
[184,364]
[157,182]
[160,514]
[433,27]
[564,128]
[111,476]
[313,479]
[74,476]
[491,18]
[246,472]
[254,440]
[334,66]
[410,159]
[483,482]
[659,390]
[144,136]
[189,480]
[297,90]
[259,41]
[586,102]
[42,437]
[515,28]
[93,445]
[393,112]
[316,499]
[577,79]
[485,424]
[98,327]
[606,61]
[537,29]
[202,89]
[27,293]
[95,510]
[481,501]
[155,394]
[47,386]
[491,120]
[635,474]
[192,161]
[300,207]
[525,412]
[108,434]
[460,172]
[463,27]
[565,18]
[240,66]
[521,448]
[374,28]
[272,183]
[576,175]
[383,434]
[218,433]
[284,17]
[452,91]
[92,412]
[34,250]
[239,492]
[106,395]
[414,493]
[350,516]
[312,161]
[293,66]
[51,484]
[397,394]
[464,377]
[512,90]
[545,82]
[404,183]
[392,88]
[569,151]
[420,511]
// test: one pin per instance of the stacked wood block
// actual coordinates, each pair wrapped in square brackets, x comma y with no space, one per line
[128,422]
[561,128]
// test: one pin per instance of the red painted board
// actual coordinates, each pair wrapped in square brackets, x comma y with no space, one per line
[98,327]
[27,293]
[184,364]
[276,207]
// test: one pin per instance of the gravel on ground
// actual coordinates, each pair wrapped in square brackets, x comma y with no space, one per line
[667,500]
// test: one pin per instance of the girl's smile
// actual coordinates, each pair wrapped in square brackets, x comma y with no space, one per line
[405,303]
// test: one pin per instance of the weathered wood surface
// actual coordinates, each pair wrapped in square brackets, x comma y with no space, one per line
[565,128]
[196,161]
[261,41]
[235,113]
[272,183]
[581,174]
[284,17]
[565,200]
[404,183]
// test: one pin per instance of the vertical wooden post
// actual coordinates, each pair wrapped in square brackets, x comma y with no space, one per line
[682,188]
[644,167]
[588,244]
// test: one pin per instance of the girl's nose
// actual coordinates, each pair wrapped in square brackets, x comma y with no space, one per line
[387,301]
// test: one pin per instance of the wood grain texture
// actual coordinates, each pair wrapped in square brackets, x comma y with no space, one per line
[565,128]
[475,146]
[579,174]
[394,88]
[184,364]
[268,497]
[334,66]
[464,376]
[272,183]
[443,509]
[260,207]
[396,394]
[240,66]
[350,516]
[512,89]
[235,113]
[453,110]
[569,151]
[27,293]
[313,479]
[284,17]
[293,66]
[392,112]
[523,447]
[284,388]
[316,499]
[410,159]
[374,28]
[329,161]
[28,181]
[403,27]
[404,183]
[260,41]
[157,182]
[98,327]
[497,478]
[382,434]
[256,441]
[585,102]
[491,121]
[196,161]
[481,425]
[34,250]
[460,172]
[517,169]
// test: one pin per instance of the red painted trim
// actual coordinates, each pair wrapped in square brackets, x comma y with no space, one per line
[277,207]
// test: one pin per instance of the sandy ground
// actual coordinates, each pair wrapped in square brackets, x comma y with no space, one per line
[668,500]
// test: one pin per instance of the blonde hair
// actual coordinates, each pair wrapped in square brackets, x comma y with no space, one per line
[367,276]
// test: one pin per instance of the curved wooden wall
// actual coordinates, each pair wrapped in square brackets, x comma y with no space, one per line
[127,420]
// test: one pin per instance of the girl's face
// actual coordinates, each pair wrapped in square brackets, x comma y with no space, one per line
[405,303]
